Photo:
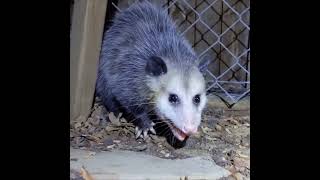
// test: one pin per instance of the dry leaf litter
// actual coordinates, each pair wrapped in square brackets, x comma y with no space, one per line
[224,135]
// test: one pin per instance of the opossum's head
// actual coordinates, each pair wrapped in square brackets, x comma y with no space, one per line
[179,95]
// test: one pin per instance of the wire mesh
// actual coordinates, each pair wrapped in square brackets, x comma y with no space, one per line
[218,29]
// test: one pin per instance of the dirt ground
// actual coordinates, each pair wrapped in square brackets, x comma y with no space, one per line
[224,135]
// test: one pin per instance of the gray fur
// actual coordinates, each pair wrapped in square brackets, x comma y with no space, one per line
[139,32]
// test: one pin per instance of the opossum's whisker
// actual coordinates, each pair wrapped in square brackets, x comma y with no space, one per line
[167,133]
[136,106]
[160,122]
[145,99]
[148,103]
[172,139]
[167,130]
[141,115]
[152,113]
[151,110]
[169,125]
[161,125]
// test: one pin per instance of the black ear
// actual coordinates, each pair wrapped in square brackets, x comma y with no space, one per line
[156,66]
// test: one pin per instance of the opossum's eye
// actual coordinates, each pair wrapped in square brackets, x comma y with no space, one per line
[173,99]
[196,99]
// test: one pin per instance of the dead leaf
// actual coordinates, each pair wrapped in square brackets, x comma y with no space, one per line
[90,137]
[81,119]
[127,132]
[218,127]
[111,146]
[77,125]
[128,125]
[210,138]
[233,121]
[161,141]
[238,176]
[92,153]
[123,120]
[114,120]
[95,121]
[109,129]
[205,130]
[231,168]
[241,162]
[87,124]
[141,147]
[75,175]
[243,156]
[228,131]
[197,135]
[85,174]
[119,116]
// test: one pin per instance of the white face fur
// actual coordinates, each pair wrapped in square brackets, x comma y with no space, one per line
[181,100]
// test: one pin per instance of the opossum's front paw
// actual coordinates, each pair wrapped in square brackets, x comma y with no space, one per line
[143,132]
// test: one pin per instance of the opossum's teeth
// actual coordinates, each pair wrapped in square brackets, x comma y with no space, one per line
[152,130]
[178,133]
[138,132]
[152,124]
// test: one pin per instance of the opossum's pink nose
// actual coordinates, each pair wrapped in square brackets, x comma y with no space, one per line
[189,129]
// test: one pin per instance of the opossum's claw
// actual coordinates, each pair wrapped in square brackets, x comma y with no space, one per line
[138,132]
[144,133]
[152,130]
[141,133]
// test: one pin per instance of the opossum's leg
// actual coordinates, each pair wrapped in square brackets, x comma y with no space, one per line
[142,122]
[143,126]
[111,104]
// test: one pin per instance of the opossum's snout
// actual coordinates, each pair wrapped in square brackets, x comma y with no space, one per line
[188,128]
[184,132]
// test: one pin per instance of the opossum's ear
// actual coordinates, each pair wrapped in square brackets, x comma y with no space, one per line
[156,66]
[203,63]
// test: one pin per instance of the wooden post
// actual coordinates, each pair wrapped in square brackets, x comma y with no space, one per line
[86,36]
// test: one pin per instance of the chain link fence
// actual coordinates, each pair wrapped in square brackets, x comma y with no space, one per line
[218,29]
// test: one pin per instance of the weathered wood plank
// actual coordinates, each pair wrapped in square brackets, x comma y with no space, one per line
[86,36]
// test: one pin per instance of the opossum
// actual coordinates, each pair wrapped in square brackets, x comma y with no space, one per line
[147,66]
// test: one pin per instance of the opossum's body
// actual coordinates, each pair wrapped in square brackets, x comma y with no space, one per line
[142,57]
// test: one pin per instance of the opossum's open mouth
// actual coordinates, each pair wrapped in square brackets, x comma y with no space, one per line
[178,133]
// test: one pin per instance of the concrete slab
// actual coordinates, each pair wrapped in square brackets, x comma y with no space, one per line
[129,165]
